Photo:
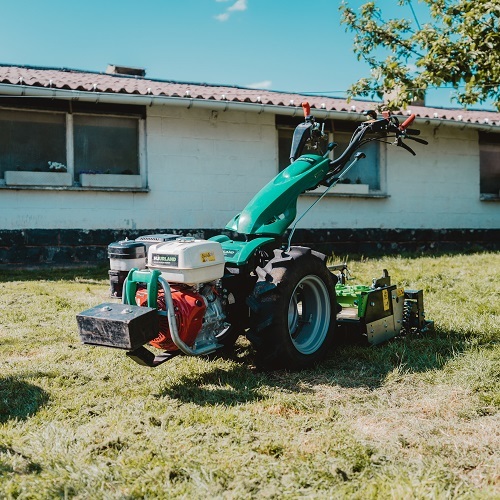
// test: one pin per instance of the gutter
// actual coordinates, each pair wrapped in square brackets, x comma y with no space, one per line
[150,100]
[212,104]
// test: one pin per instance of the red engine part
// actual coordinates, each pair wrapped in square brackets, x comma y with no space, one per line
[189,309]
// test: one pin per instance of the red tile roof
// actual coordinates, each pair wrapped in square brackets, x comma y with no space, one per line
[69,79]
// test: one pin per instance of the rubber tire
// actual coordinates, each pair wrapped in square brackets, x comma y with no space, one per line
[275,313]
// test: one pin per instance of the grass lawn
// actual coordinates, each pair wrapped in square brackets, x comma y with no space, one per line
[417,417]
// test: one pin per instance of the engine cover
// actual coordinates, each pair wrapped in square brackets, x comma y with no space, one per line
[187,260]
[189,312]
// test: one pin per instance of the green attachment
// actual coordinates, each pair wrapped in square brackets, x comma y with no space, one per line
[274,207]
[353,296]
[238,253]
[363,303]
[136,276]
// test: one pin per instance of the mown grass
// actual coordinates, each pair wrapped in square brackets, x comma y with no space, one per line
[417,417]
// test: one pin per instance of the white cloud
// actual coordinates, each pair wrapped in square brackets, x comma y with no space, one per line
[265,84]
[222,17]
[239,5]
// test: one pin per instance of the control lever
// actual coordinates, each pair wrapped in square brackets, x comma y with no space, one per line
[400,143]
[417,139]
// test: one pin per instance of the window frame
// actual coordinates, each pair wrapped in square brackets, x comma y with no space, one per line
[70,109]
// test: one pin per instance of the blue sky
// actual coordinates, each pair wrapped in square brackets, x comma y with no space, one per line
[288,45]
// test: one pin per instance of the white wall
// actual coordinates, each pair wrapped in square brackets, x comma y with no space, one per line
[204,166]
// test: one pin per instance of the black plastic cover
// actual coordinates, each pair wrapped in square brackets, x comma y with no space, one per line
[127,249]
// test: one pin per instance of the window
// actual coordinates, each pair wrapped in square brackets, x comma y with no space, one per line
[105,145]
[365,174]
[30,140]
[489,164]
[71,145]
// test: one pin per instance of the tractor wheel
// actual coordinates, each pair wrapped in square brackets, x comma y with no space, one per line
[294,310]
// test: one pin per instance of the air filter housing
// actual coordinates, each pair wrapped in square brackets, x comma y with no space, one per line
[187,260]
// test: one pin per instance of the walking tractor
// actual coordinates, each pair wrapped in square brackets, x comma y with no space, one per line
[182,295]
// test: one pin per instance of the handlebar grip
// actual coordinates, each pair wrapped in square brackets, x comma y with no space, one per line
[407,122]
[412,131]
[307,109]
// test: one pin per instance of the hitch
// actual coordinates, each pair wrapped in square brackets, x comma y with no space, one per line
[145,357]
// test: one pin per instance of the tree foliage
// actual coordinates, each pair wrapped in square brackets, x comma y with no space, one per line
[459,48]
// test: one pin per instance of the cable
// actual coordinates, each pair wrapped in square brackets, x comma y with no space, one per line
[414,15]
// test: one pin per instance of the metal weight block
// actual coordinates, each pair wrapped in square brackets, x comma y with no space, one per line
[118,325]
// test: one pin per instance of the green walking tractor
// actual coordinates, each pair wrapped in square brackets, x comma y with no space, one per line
[182,295]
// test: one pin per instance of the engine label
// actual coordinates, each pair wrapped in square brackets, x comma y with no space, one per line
[207,256]
[159,259]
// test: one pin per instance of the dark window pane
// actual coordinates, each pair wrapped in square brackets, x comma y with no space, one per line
[489,159]
[105,145]
[366,171]
[29,140]
[284,145]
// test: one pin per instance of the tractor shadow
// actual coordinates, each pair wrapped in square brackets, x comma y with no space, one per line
[19,399]
[347,366]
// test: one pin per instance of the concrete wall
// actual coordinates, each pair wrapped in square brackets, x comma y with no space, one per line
[204,166]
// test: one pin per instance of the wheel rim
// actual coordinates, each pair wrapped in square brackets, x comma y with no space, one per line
[309,314]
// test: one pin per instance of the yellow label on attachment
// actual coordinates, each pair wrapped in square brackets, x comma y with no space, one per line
[207,256]
[400,292]
[385,299]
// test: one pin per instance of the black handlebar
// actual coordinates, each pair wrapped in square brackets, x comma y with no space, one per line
[389,124]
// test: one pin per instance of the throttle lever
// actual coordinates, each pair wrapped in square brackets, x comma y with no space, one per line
[405,146]
[407,122]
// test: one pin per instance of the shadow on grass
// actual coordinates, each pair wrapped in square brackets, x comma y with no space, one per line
[19,399]
[346,366]
[369,366]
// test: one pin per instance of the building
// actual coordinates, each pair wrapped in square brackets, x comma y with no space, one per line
[90,158]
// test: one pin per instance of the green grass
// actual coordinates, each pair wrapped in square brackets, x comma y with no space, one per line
[417,417]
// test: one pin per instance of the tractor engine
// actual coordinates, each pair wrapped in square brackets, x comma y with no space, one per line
[192,268]
[199,315]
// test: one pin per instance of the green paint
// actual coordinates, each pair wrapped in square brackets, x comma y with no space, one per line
[274,207]
[150,278]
